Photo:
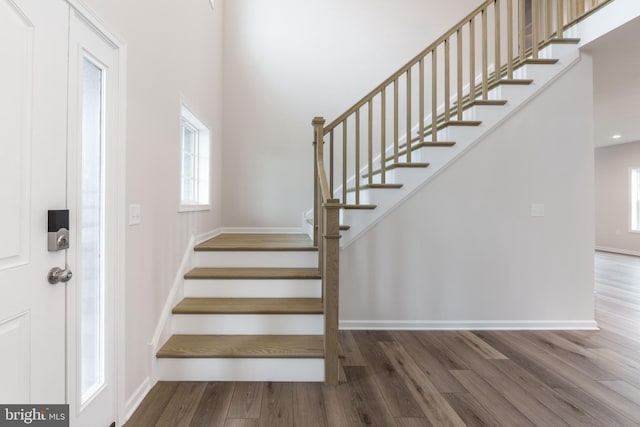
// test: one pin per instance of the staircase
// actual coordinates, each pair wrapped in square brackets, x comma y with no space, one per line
[265,307]
[252,311]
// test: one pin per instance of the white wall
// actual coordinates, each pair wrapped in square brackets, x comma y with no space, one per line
[286,61]
[465,251]
[174,51]
[612,197]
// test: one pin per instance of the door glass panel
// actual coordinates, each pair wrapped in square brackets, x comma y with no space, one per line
[91,233]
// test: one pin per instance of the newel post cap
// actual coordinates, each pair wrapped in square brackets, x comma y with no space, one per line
[318,121]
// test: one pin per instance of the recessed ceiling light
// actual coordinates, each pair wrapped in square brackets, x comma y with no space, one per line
[616,136]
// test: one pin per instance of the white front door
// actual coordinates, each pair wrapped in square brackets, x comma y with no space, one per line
[94,198]
[33,138]
[60,144]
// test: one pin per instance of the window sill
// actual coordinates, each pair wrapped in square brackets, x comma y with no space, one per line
[193,208]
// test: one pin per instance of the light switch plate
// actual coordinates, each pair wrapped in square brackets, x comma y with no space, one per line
[135,214]
[537,209]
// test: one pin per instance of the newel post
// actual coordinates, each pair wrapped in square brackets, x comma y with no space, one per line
[330,281]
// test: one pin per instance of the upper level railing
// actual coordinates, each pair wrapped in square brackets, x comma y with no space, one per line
[410,109]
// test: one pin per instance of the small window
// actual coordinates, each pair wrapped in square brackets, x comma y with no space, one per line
[194,184]
[634,199]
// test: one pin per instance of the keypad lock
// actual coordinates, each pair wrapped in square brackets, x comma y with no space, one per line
[58,230]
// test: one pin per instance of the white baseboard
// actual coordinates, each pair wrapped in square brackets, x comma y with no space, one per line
[136,398]
[208,235]
[163,327]
[617,251]
[440,325]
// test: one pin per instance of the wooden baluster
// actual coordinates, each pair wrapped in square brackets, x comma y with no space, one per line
[510,39]
[344,161]
[370,145]
[548,18]
[459,75]
[316,189]
[447,83]
[383,137]
[497,47]
[421,102]
[434,95]
[395,122]
[331,162]
[485,57]
[357,157]
[560,19]
[408,117]
[535,29]
[318,131]
[472,60]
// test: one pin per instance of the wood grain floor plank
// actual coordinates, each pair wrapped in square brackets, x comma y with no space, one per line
[351,355]
[520,353]
[308,405]
[438,374]
[434,407]
[277,405]
[623,388]
[214,405]
[241,422]
[366,400]
[153,404]
[413,422]
[340,412]
[398,398]
[545,395]
[246,401]
[472,413]
[183,404]
[584,382]
[480,346]
[512,391]
[491,399]
[594,407]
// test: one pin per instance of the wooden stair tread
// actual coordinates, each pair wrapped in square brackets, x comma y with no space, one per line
[243,346]
[258,242]
[399,165]
[540,61]
[523,82]
[249,306]
[253,273]
[375,187]
[352,206]
[489,102]
[460,123]
[345,227]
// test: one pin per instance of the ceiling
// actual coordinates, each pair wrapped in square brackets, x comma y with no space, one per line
[616,86]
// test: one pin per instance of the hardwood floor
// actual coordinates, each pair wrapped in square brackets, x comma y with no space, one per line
[542,378]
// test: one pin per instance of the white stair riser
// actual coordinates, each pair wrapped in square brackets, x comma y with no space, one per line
[271,288]
[247,324]
[211,369]
[282,259]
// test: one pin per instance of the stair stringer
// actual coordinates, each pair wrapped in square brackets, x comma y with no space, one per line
[439,158]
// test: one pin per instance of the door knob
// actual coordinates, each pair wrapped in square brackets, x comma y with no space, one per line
[57,275]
